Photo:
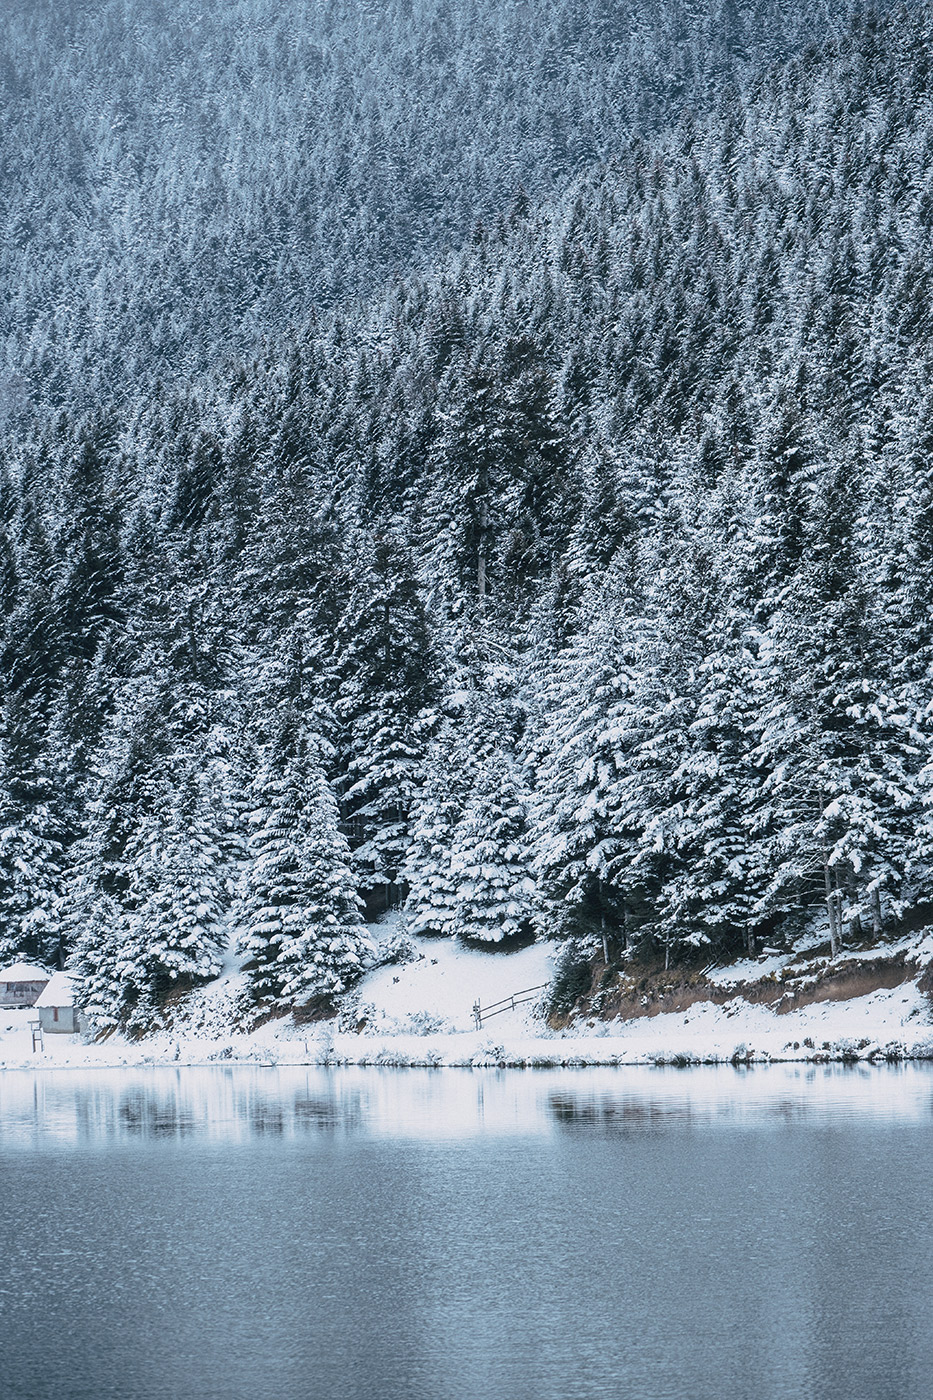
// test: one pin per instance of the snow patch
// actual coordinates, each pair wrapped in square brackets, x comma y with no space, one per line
[436,989]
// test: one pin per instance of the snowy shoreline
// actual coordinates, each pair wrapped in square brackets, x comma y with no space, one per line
[419,1013]
[872,1029]
[521,1055]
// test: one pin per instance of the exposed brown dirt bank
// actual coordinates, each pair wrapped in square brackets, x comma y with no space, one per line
[640,992]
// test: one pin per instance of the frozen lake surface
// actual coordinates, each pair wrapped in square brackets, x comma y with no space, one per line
[367,1234]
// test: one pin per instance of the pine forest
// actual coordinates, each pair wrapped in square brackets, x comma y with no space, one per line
[472,460]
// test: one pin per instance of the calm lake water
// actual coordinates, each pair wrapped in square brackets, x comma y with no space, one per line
[387,1234]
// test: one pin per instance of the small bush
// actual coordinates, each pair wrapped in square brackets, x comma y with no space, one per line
[397,948]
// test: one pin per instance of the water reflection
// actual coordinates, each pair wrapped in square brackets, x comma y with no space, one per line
[241,1104]
[764,1096]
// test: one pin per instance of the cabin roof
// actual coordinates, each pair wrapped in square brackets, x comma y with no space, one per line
[59,992]
[23,972]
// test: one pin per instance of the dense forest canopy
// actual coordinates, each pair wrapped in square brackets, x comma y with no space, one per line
[178,180]
[576,581]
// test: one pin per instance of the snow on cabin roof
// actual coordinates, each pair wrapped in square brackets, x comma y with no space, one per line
[23,972]
[59,992]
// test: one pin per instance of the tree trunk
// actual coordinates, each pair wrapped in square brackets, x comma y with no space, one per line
[877,914]
[481,550]
[602,925]
[830,902]
[855,921]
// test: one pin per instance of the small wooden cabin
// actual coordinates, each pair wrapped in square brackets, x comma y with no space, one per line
[56,1007]
[21,984]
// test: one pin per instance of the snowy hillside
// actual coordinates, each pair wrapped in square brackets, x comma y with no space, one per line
[573,584]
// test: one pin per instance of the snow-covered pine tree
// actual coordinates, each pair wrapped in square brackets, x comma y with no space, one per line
[156,850]
[839,758]
[179,889]
[708,657]
[574,767]
[301,932]
[719,887]
[145,917]
[496,896]
[32,857]
[648,737]
[387,682]
[107,986]
[460,523]
[904,593]
[431,902]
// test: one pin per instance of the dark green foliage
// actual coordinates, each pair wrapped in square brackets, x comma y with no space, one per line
[572,977]
[598,557]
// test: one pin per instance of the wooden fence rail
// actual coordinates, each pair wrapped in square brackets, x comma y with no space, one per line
[481,1013]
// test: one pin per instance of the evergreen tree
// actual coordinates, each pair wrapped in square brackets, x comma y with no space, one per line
[104,973]
[495,897]
[301,932]
[386,678]
[178,894]
[575,765]
[431,902]
[32,858]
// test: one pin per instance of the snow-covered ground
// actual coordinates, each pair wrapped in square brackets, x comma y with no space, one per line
[419,1012]
[437,989]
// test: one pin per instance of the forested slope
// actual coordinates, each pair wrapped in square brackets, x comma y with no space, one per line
[178,181]
[579,583]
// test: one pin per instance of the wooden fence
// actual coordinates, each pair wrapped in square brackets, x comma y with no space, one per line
[483,1013]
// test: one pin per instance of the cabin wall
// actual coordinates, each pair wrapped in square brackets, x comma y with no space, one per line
[18,994]
[57,1020]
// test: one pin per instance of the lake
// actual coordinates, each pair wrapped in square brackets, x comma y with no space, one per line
[367,1234]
